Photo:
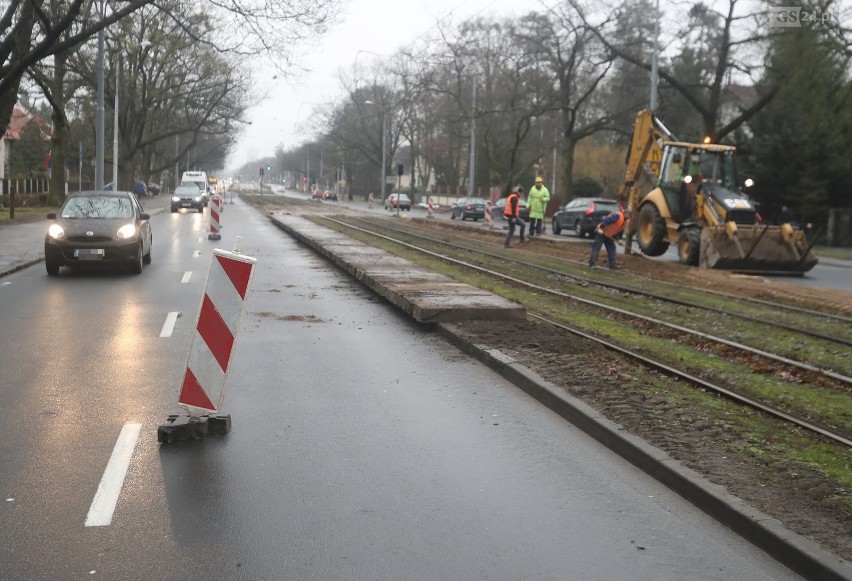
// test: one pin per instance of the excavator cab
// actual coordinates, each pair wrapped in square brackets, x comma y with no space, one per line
[687,194]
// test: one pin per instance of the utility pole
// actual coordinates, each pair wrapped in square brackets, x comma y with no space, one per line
[99,122]
[472,185]
[115,131]
[655,58]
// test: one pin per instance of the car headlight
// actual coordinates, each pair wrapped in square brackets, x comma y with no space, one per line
[176,198]
[197,198]
[56,232]
[127,231]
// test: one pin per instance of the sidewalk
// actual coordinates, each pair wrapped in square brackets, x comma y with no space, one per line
[22,245]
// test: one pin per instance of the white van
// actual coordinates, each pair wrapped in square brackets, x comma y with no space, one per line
[197,178]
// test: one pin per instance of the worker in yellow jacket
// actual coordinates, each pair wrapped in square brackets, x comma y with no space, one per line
[537,201]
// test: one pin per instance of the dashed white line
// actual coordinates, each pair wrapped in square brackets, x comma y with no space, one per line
[186,276]
[106,498]
[169,325]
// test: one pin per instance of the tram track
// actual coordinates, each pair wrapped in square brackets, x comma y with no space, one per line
[740,397]
[658,296]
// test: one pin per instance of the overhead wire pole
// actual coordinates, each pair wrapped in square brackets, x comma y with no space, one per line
[472,185]
[99,123]
[655,58]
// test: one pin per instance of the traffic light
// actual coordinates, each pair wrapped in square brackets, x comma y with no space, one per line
[269,168]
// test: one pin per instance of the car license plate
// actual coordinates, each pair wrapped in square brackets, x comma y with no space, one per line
[186,204]
[89,253]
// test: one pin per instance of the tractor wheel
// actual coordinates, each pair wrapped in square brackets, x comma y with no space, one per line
[689,246]
[651,231]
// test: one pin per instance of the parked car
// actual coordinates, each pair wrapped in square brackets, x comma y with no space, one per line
[500,207]
[188,196]
[582,215]
[140,189]
[329,195]
[154,189]
[464,208]
[316,195]
[403,200]
[98,228]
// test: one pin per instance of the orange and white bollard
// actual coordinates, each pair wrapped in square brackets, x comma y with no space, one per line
[488,212]
[429,213]
[214,220]
[222,308]
[370,201]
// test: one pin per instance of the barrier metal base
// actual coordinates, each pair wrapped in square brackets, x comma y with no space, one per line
[183,427]
[214,237]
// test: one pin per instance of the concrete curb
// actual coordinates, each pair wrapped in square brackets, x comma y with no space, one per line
[21,266]
[799,553]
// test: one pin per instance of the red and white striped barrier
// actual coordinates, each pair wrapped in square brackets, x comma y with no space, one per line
[219,318]
[488,212]
[429,213]
[214,220]
[370,201]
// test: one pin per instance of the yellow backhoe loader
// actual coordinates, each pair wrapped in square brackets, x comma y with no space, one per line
[687,194]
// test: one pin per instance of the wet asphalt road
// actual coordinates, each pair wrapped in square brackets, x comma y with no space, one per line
[363,446]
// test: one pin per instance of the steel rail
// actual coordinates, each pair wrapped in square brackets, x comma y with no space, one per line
[771,356]
[626,289]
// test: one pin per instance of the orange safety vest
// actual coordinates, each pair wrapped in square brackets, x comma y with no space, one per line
[508,210]
[612,230]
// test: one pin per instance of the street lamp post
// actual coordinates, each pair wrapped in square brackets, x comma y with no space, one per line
[99,121]
[384,148]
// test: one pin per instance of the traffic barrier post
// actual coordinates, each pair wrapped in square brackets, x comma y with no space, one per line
[215,224]
[488,213]
[370,201]
[205,379]
[429,213]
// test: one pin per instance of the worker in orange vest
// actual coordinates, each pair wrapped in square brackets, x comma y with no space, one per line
[513,215]
[605,234]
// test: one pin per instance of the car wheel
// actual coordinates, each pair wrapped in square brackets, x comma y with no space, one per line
[52,267]
[463,216]
[578,229]
[555,227]
[174,210]
[136,265]
[147,258]
[453,215]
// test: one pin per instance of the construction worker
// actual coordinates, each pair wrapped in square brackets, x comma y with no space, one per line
[608,229]
[513,215]
[537,201]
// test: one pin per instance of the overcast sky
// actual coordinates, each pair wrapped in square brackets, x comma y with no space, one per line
[369,26]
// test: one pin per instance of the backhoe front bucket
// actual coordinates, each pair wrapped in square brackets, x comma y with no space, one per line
[756,249]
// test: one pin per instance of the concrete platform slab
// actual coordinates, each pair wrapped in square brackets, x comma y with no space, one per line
[429,297]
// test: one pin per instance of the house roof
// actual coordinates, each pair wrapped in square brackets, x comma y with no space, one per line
[20,117]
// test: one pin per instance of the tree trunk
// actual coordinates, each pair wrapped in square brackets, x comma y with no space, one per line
[59,139]
[566,191]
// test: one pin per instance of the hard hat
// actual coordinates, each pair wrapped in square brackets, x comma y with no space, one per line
[538,180]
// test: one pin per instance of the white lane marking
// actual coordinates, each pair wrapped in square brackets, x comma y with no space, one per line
[196,254]
[169,325]
[103,505]
[186,276]
[4,283]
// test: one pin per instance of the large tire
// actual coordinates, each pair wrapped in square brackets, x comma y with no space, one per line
[555,227]
[52,267]
[651,231]
[578,229]
[689,246]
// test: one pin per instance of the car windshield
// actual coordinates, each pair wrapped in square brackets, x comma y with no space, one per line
[97,207]
[191,190]
[608,207]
